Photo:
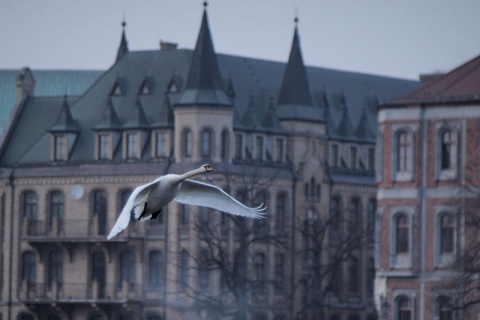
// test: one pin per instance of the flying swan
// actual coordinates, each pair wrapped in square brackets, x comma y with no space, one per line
[148,200]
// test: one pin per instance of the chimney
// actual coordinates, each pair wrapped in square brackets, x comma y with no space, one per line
[166,46]
[25,84]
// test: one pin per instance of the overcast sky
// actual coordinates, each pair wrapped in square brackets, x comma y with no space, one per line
[400,38]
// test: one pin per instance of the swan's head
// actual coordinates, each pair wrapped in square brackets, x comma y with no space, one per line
[207,168]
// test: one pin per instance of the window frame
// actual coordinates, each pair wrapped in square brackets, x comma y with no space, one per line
[403,167]
[449,172]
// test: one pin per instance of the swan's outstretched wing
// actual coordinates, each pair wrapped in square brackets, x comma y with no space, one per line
[138,195]
[206,195]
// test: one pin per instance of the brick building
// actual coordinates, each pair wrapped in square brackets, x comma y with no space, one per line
[428,147]
[287,135]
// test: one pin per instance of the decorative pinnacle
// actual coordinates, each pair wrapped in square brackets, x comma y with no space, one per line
[205,4]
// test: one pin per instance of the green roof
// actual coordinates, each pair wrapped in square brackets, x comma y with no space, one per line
[47,83]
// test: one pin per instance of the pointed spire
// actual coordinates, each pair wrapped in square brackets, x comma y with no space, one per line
[270,121]
[364,131]
[249,118]
[295,87]
[204,85]
[345,128]
[138,119]
[295,98]
[109,120]
[123,48]
[65,122]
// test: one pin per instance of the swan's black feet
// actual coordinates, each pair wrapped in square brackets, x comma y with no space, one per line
[143,212]
[155,214]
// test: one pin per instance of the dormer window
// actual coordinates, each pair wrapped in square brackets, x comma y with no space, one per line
[144,89]
[104,146]
[60,147]
[132,145]
[172,87]
[116,90]
[160,144]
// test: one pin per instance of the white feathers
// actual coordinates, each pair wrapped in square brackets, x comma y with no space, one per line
[152,197]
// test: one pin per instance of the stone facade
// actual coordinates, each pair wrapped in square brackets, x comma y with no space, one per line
[66,171]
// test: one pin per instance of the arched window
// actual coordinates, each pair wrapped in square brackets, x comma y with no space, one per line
[183,274]
[354,275]
[100,210]
[225,144]
[280,221]
[53,317]
[203,271]
[447,152]
[335,218]
[26,317]
[370,276]
[57,205]
[154,318]
[127,267]
[206,143]
[259,272]
[403,309]
[404,151]
[155,269]
[443,308]
[99,272]
[371,213]
[187,143]
[355,216]
[30,205]
[279,271]
[402,228]
[55,272]
[96,317]
[29,267]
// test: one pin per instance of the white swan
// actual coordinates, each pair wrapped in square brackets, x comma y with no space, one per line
[149,199]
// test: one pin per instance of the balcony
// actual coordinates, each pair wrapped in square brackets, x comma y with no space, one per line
[80,293]
[76,230]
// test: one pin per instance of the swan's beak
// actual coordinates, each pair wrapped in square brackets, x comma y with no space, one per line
[208,168]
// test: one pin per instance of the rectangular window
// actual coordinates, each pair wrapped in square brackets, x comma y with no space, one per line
[238,146]
[371,159]
[104,146]
[279,150]
[259,148]
[133,146]
[160,144]
[353,157]
[334,156]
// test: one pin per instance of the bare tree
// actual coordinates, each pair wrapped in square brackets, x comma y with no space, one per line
[332,244]
[230,261]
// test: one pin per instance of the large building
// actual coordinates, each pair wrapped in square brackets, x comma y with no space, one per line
[299,139]
[428,141]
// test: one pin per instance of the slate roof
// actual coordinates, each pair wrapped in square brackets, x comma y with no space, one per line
[460,85]
[242,78]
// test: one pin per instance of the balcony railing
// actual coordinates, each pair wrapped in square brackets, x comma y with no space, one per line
[79,292]
[76,229]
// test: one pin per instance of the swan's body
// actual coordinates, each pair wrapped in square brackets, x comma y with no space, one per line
[149,199]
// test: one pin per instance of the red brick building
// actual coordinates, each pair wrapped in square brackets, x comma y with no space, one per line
[428,154]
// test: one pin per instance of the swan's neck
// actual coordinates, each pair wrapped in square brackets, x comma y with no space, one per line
[192,173]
